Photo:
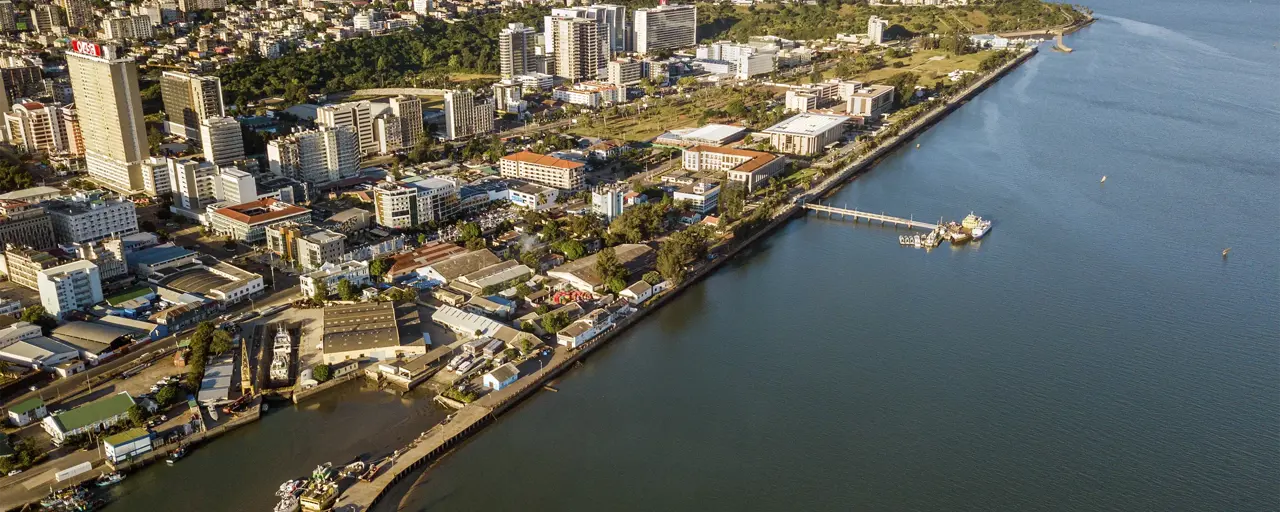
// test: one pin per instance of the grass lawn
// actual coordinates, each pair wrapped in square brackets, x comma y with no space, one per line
[920,64]
[463,77]
[131,294]
[655,121]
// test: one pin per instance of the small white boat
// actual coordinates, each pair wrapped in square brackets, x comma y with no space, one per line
[1104,180]
[981,229]
[289,487]
[213,412]
[109,479]
[288,503]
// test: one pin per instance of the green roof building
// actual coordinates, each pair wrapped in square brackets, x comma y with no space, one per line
[27,411]
[127,445]
[88,417]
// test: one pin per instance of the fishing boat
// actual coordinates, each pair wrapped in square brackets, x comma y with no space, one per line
[290,487]
[176,455]
[282,356]
[109,479]
[288,503]
[932,239]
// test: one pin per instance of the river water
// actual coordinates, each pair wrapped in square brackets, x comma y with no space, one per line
[1095,352]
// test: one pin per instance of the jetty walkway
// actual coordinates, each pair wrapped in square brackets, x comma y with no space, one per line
[870,217]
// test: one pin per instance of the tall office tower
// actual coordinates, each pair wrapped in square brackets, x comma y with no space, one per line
[188,100]
[389,132]
[355,115]
[515,50]
[222,141]
[317,156]
[36,127]
[581,50]
[45,18]
[464,116]
[613,17]
[8,17]
[665,27]
[110,111]
[79,13]
[24,80]
[875,29]
[409,110]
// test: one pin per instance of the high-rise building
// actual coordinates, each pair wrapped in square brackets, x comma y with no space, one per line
[422,6]
[75,285]
[25,224]
[47,19]
[189,100]
[415,201]
[387,130]
[306,245]
[79,13]
[201,5]
[355,115]
[36,127]
[409,110]
[8,17]
[21,79]
[157,181]
[71,126]
[107,254]
[222,141]
[875,29]
[127,28]
[665,27]
[581,48]
[317,156]
[465,116]
[508,96]
[515,50]
[24,263]
[110,110]
[617,34]
[624,72]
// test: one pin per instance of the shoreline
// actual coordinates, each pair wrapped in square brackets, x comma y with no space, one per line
[440,440]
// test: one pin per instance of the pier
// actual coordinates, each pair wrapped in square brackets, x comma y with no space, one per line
[870,217]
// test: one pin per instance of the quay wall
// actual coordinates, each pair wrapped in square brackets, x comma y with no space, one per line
[441,440]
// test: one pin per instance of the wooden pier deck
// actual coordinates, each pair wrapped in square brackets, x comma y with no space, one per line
[870,217]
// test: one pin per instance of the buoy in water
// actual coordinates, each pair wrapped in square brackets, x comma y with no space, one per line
[1104,180]
[917,146]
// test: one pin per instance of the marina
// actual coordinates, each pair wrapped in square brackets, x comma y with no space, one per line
[972,227]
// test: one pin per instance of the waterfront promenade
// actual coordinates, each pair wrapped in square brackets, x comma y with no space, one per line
[440,440]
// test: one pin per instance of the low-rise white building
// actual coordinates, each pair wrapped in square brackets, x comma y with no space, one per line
[588,94]
[870,101]
[355,272]
[126,445]
[92,416]
[27,411]
[703,196]
[501,376]
[805,133]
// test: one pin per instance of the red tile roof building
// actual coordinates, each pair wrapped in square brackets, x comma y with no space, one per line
[743,165]
[247,222]
[544,170]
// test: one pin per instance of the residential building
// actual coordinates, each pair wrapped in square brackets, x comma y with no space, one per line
[36,127]
[194,183]
[805,133]
[372,330]
[20,79]
[386,132]
[355,272]
[801,100]
[508,96]
[871,101]
[592,324]
[665,27]
[408,109]
[415,201]
[532,82]
[355,115]
[744,166]
[235,186]
[72,286]
[702,196]
[544,170]
[222,140]
[89,417]
[616,36]
[466,116]
[247,222]
[89,216]
[317,157]
[47,19]
[110,109]
[79,12]
[625,72]
[589,94]
[8,17]
[71,127]
[27,411]
[747,60]
[127,28]
[606,200]
[188,101]
[107,254]
[532,196]
[22,223]
[515,50]
[501,376]
[306,245]
[24,264]
[581,48]
[875,29]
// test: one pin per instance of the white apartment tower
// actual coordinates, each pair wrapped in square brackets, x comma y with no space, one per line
[188,101]
[221,139]
[581,48]
[110,110]
[465,116]
[409,110]
[75,285]
[317,156]
[875,29]
[617,35]
[356,115]
[36,127]
[665,27]
[515,49]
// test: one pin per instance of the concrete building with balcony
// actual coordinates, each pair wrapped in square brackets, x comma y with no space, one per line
[90,216]
[72,286]
[544,170]
[306,245]
[750,168]
[25,224]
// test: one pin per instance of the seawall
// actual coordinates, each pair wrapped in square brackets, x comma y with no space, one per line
[434,444]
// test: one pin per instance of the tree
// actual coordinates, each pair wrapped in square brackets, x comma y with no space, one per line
[652,277]
[526,345]
[37,315]
[321,372]
[477,243]
[346,291]
[422,238]
[554,322]
[379,268]
[321,292]
[572,249]
[221,342]
[167,395]
[904,86]
[138,415]
[468,230]
[523,290]
[528,326]
[671,266]
[531,259]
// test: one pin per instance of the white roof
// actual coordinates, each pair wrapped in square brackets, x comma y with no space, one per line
[808,124]
[464,322]
[715,132]
[36,349]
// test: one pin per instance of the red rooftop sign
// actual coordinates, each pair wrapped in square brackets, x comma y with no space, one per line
[86,48]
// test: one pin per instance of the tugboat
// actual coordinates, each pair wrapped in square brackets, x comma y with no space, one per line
[176,455]
[109,479]
[282,353]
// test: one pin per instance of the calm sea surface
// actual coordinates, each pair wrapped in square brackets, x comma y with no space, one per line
[1095,352]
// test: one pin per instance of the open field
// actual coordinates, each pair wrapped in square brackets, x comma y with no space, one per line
[463,77]
[918,62]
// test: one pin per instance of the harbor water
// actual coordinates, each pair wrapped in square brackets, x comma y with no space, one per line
[1094,352]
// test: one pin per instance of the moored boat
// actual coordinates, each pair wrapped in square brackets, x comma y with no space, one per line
[176,455]
[289,503]
[981,229]
[109,479]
